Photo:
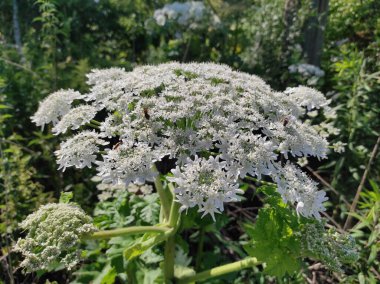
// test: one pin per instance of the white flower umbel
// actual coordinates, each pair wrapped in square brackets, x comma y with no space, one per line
[79,151]
[75,118]
[297,188]
[185,14]
[54,106]
[206,184]
[248,153]
[127,163]
[187,113]
[54,234]
[307,97]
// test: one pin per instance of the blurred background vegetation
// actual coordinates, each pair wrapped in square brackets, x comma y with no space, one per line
[46,45]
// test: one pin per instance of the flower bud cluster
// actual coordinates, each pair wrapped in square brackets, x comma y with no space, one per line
[54,233]
[330,247]
[216,125]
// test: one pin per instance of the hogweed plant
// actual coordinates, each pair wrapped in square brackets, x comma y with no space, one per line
[197,133]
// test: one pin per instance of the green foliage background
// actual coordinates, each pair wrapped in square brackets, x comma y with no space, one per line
[63,39]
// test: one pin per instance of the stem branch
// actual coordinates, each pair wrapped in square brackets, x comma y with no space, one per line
[128,231]
[220,270]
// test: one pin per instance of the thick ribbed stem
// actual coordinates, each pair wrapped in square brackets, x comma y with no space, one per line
[169,253]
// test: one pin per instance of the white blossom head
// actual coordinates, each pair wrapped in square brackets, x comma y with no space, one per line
[297,188]
[79,151]
[54,106]
[205,119]
[54,234]
[205,183]
[75,118]
[128,163]
[307,97]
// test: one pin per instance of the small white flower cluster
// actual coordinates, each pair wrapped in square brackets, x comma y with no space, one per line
[55,106]
[217,125]
[296,187]
[75,118]
[79,151]
[54,233]
[306,70]
[339,147]
[205,183]
[187,14]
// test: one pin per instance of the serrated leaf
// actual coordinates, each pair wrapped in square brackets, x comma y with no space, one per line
[65,197]
[274,242]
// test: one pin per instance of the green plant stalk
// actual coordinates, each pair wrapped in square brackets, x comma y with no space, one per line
[220,270]
[164,194]
[200,249]
[259,181]
[93,121]
[128,231]
[169,251]
[93,125]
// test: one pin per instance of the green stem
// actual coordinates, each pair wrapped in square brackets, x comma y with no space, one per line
[93,125]
[200,249]
[174,215]
[93,121]
[164,194]
[169,252]
[131,276]
[128,231]
[220,270]
[259,181]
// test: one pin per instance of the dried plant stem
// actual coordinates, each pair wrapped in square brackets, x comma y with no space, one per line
[361,185]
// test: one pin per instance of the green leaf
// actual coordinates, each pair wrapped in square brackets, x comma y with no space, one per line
[274,241]
[134,251]
[65,197]
[107,276]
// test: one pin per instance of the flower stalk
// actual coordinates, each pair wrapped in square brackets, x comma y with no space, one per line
[164,194]
[169,251]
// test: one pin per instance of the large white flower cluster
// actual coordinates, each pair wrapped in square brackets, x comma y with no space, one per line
[54,234]
[215,125]
[188,14]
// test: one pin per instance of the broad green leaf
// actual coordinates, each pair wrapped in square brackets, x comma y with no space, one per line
[274,242]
